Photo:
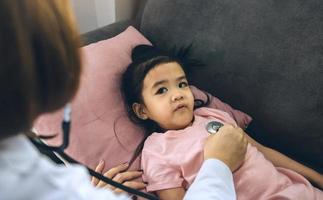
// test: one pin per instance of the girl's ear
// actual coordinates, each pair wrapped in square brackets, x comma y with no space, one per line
[140,111]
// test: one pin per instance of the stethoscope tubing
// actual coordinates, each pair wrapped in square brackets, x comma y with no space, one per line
[66,125]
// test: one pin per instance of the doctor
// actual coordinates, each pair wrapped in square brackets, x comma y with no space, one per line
[40,72]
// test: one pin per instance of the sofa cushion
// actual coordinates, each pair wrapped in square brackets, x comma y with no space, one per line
[264,57]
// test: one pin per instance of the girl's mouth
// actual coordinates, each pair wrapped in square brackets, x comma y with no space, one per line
[179,107]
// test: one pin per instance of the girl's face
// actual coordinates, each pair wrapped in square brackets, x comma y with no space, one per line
[167,98]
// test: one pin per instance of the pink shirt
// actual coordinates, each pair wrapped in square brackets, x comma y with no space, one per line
[172,159]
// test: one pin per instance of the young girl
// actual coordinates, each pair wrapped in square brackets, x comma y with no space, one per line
[158,97]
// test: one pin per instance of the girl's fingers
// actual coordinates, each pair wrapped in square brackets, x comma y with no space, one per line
[98,169]
[133,184]
[119,175]
[125,177]
[116,170]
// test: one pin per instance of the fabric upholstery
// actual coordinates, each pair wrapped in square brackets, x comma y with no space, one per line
[264,57]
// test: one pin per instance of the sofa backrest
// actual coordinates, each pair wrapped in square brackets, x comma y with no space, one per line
[262,57]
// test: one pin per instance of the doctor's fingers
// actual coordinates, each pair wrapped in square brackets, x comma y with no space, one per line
[240,134]
[98,169]
[233,131]
[126,177]
[137,185]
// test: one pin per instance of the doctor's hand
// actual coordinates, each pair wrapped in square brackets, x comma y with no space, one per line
[229,145]
[120,175]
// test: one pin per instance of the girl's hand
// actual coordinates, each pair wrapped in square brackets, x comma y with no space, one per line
[120,175]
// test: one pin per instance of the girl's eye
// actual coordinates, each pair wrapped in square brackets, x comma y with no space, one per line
[161,90]
[183,84]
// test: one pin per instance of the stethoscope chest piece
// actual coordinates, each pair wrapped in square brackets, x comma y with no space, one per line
[213,127]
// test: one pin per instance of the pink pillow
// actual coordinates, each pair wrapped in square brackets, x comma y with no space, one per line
[241,118]
[98,105]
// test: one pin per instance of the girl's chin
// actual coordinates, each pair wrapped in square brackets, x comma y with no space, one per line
[184,124]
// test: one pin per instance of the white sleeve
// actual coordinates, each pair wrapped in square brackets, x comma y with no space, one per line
[73,183]
[26,174]
[213,181]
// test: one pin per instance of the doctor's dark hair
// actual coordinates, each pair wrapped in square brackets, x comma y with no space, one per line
[145,58]
[39,61]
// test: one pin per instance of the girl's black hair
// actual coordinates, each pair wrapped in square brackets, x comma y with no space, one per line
[145,58]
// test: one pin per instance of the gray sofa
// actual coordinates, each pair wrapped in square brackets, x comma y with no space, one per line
[262,57]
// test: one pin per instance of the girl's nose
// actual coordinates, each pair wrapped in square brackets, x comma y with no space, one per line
[178,96]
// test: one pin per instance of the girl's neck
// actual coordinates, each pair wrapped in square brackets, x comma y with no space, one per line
[161,130]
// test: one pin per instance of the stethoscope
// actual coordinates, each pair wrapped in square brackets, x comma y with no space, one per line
[66,125]
[212,127]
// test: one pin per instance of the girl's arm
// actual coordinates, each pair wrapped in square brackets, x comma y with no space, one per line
[280,160]
[171,194]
